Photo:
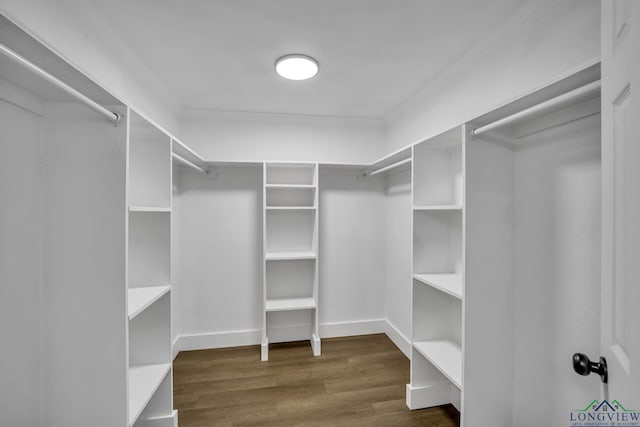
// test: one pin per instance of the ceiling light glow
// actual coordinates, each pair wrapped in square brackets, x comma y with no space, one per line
[296,67]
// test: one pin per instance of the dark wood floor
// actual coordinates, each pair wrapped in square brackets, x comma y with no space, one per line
[358,381]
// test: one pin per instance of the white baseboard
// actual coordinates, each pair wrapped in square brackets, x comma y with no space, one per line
[174,348]
[398,338]
[291,333]
[350,329]
[280,334]
[217,340]
[428,396]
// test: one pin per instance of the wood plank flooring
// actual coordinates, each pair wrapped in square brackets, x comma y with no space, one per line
[358,381]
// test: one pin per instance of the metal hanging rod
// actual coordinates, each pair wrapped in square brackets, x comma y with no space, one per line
[391,166]
[580,92]
[188,149]
[188,163]
[110,115]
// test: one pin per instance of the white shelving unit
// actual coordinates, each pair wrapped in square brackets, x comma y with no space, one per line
[150,400]
[290,245]
[92,220]
[438,271]
[480,320]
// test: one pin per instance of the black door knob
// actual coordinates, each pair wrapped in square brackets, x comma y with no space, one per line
[583,366]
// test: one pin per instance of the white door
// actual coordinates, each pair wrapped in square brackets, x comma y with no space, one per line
[620,333]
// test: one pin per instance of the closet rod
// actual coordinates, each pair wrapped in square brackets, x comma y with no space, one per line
[188,149]
[391,166]
[580,92]
[110,115]
[188,163]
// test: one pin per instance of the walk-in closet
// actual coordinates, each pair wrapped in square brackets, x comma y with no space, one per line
[334,213]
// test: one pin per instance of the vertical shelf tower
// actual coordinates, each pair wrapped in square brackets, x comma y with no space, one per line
[438,271]
[149,390]
[290,247]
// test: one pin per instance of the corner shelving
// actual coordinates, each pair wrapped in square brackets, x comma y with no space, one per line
[149,274]
[290,245]
[438,271]
[143,382]
[141,298]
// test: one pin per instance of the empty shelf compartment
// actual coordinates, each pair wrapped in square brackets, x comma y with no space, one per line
[141,298]
[448,283]
[288,304]
[144,380]
[446,356]
[284,256]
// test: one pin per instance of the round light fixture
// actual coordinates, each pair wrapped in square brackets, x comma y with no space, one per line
[296,67]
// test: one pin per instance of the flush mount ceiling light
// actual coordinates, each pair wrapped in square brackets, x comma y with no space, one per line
[296,67]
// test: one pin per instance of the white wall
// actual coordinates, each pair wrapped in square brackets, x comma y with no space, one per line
[272,137]
[218,247]
[352,251]
[218,265]
[84,295]
[21,134]
[398,252]
[78,34]
[557,269]
[544,40]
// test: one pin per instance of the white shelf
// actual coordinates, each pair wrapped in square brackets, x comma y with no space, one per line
[290,186]
[149,209]
[290,208]
[143,383]
[437,208]
[290,304]
[448,283]
[283,256]
[444,355]
[141,298]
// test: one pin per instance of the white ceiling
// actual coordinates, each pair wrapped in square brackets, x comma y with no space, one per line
[219,54]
